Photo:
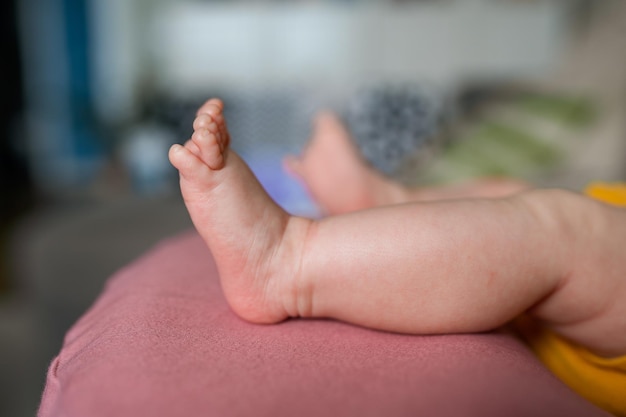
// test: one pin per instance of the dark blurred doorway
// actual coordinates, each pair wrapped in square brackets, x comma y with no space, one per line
[15,186]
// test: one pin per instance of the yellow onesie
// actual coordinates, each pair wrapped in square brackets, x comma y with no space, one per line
[600,380]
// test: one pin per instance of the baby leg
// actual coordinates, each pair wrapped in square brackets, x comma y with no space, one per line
[340,181]
[473,265]
[417,268]
[457,266]
[452,266]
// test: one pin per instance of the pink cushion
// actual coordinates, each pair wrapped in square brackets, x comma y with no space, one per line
[161,341]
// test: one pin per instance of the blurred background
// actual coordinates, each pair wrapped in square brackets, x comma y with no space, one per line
[433,91]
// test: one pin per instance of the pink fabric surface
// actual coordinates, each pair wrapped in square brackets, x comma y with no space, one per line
[161,341]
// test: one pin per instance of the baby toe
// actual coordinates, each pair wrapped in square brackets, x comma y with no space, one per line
[202,121]
[210,148]
[213,107]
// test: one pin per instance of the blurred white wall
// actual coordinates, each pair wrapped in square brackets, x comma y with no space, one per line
[182,46]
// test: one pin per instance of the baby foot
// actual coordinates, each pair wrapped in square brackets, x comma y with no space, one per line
[256,245]
[340,181]
[334,173]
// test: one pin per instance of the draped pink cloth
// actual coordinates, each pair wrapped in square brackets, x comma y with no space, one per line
[161,341]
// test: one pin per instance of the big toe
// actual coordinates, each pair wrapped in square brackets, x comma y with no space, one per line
[195,175]
[213,106]
[181,158]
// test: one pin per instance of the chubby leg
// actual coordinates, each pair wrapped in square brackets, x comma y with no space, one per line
[456,266]
[340,181]
[473,265]
[452,266]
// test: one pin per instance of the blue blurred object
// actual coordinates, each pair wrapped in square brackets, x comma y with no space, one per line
[144,153]
[266,163]
[64,148]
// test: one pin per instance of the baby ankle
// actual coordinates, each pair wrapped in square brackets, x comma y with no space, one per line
[298,284]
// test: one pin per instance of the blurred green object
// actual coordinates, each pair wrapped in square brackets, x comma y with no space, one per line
[571,111]
[494,149]
[525,137]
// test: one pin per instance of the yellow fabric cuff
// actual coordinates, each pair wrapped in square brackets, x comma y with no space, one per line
[612,193]
[601,380]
